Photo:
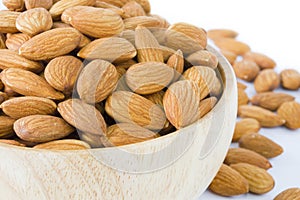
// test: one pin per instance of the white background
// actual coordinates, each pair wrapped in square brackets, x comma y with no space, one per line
[269,27]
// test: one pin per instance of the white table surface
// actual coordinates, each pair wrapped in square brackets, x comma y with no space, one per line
[269,27]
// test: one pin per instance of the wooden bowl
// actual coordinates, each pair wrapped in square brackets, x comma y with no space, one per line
[176,166]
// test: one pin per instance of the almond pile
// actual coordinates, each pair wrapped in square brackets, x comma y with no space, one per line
[99,73]
[245,168]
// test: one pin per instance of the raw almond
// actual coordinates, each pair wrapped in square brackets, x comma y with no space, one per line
[12,142]
[243,98]
[260,181]
[11,59]
[245,126]
[246,70]
[6,126]
[290,111]
[60,24]
[265,117]
[62,73]
[97,81]
[8,21]
[101,4]
[29,85]
[156,98]
[221,33]
[133,9]
[14,5]
[203,58]
[186,37]
[128,35]
[232,45]
[271,100]
[112,49]
[2,41]
[144,3]
[129,107]
[206,105]
[45,46]
[127,133]
[260,144]
[159,34]
[164,24]
[290,79]
[263,61]
[167,52]
[230,56]
[149,77]
[67,144]
[82,116]
[95,141]
[241,155]
[289,194]
[24,106]
[145,21]
[241,85]
[94,22]
[267,80]
[147,46]
[41,128]
[178,95]
[176,61]
[15,41]
[29,4]
[229,182]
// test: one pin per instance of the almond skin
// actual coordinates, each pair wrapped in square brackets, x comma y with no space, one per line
[289,194]
[265,117]
[263,61]
[241,155]
[206,105]
[29,4]
[24,106]
[290,111]
[145,21]
[176,61]
[14,5]
[246,70]
[45,46]
[8,21]
[232,45]
[64,145]
[133,9]
[260,144]
[228,182]
[203,58]
[6,126]
[30,84]
[221,33]
[260,181]
[290,79]
[94,22]
[15,41]
[243,98]
[2,41]
[267,80]
[245,126]
[41,128]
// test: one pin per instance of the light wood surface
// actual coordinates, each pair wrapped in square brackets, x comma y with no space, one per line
[177,166]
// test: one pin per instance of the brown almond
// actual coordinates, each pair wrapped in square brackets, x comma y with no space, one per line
[289,194]
[133,9]
[94,22]
[29,4]
[15,41]
[12,142]
[271,100]
[102,4]
[206,105]
[241,85]
[176,61]
[67,144]
[82,116]
[232,45]
[145,21]
[228,182]
[246,70]
[2,41]
[267,80]
[221,33]
[112,49]
[290,79]
[97,81]
[24,106]
[241,155]
[265,117]
[128,35]
[8,21]
[167,52]
[149,77]
[164,24]
[129,107]
[45,46]
[245,126]
[30,84]
[6,126]
[144,3]
[95,141]
[260,181]
[230,56]
[263,61]
[41,128]
[156,98]
[290,111]
[14,5]
[60,24]
[243,98]
[203,58]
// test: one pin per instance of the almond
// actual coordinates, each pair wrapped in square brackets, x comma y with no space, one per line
[203,58]
[3,97]
[128,107]
[159,33]
[290,111]
[271,100]
[34,21]
[145,21]
[95,141]
[164,24]
[230,56]
[30,84]
[241,155]
[45,46]
[144,3]
[112,49]
[176,61]
[229,182]
[41,128]
[289,194]
[24,106]
[260,144]
[267,80]
[186,37]
[246,70]
[38,4]
[8,21]
[67,144]
[232,45]
[265,117]
[243,98]
[263,61]
[241,85]
[97,81]
[149,77]
[127,133]
[12,142]
[245,126]
[15,41]
[101,4]
[62,73]
[14,5]
[133,9]
[221,33]
[147,46]
[128,35]
[260,181]
[6,126]
[167,52]
[206,105]
[290,79]
[11,59]
[178,95]
[60,25]
[94,22]
[156,98]
[2,41]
